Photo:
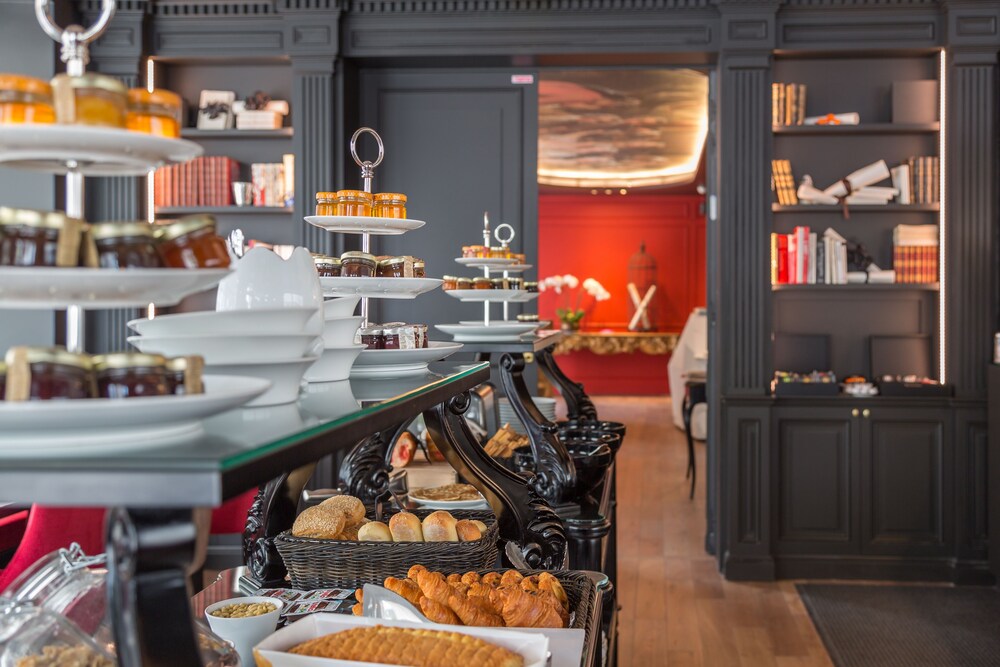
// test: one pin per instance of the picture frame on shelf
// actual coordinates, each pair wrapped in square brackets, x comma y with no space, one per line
[215,110]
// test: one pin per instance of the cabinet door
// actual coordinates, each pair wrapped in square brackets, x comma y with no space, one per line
[816,459]
[906,463]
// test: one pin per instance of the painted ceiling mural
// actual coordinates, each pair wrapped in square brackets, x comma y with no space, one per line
[621,128]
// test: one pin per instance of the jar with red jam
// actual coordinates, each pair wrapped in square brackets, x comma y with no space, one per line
[420,331]
[373,337]
[395,267]
[402,337]
[515,283]
[449,283]
[499,283]
[47,374]
[463,283]
[354,203]
[39,238]
[184,375]
[530,286]
[191,243]
[419,268]
[481,283]
[326,267]
[130,375]
[125,245]
[357,264]
[390,205]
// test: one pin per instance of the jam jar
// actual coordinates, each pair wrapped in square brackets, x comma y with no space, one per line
[395,267]
[354,202]
[125,245]
[191,243]
[39,238]
[326,267]
[357,264]
[390,205]
[130,375]
[515,283]
[530,286]
[156,112]
[396,337]
[25,99]
[420,331]
[47,373]
[373,337]
[89,99]
[326,203]
[463,283]
[449,283]
[184,375]
[419,268]
[481,283]
[475,251]
[499,283]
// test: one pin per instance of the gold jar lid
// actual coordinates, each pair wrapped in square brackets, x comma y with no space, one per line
[119,360]
[186,225]
[116,230]
[51,355]
[25,84]
[354,194]
[391,197]
[157,96]
[33,218]
[392,260]
[324,259]
[481,280]
[323,196]
[94,80]
[357,254]
[419,262]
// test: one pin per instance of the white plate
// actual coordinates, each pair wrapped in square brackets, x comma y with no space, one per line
[274,321]
[285,377]
[512,268]
[103,425]
[228,349]
[339,332]
[334,364]
[491,295]
[480,504]
[434,351]
[338,307]
[45,287]
[480,333]
[97,151]
[495,324]
[386,371]
[524,297]
[380,288]
[484,262]
[359,224]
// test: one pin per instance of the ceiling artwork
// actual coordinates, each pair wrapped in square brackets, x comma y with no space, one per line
[621,128]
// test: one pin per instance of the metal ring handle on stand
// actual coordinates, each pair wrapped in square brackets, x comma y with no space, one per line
[504,242]
[74,38]
[367,167]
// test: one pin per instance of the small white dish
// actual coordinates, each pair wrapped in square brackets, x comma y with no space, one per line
[340,332]
[363,224]
[227,349]
[334,364]
[379,288]
[245,633]
[341,306]
[273,321]
[479,504]
[285,377]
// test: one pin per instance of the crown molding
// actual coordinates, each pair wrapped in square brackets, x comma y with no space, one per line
[363,7]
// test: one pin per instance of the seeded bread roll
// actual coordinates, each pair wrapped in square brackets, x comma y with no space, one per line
[319,521]
[405,527]
[353,509]
[439,526]
[376,531]
[468,531]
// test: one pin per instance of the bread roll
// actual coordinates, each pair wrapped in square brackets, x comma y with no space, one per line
[318,521]
[468,531]
[405,527]
[353,509]
[376,531]
[439,526]
[479,524]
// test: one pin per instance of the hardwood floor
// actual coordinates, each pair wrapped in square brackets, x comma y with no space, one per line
[677,610]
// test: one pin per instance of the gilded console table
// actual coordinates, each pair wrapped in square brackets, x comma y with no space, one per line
[618,342]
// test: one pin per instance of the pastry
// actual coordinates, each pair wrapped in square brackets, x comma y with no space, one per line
[353,509]
[405,527]
[359,594]
[511,577]
[438,613]
[320,522]
[524,610]
[492,579]
[350,532]
[475,611]
[412,572]
[434,586]
[546,582]
[406,588]
[468,531]
[470,577]
[453,579]
[358,609]
[439,526]
[408,646]
[374,531]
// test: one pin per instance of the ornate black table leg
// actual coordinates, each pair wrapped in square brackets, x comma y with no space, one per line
[149,552]
[556,475]
[365,471]
[273,512]
[525,519]
[578,404]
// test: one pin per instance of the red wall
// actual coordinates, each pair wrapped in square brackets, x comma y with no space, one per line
[593,236]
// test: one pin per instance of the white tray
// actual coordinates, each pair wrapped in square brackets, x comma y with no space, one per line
[107,425]
[360,224]
[497,263]
[93,151]
[44,287]
[379,288]
[472,333]
[395,363]
[491,295]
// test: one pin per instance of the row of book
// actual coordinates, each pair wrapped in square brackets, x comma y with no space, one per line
[203,181]
[269,184]
[805,258]
[788,103]
[918,180]
[783,183]
[915,181]
[915,253]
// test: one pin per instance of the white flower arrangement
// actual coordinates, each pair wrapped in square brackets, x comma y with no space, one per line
[574,309]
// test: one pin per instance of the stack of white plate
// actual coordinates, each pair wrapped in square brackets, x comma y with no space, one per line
[547,406]
[339,350]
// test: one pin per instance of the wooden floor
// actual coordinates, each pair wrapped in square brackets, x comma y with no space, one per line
[677,610]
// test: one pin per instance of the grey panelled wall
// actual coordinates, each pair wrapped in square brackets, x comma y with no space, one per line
[313,106]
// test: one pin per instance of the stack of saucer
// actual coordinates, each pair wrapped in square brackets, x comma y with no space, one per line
[339,349]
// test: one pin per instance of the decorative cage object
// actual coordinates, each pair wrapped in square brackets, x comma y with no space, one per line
[642,303]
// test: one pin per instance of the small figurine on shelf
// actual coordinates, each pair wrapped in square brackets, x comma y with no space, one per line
[576,307]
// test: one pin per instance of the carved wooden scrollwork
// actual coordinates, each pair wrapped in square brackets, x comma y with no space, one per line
[365,471]
[578,404]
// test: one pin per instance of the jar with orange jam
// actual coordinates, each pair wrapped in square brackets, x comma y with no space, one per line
[89,99]
[390,205]
[191,243]
[354,203]
[156,112]
[25,99]
[326,203]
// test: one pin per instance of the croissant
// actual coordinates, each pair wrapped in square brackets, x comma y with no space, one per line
[470,578]
[454,579]
[433,585]
[359,595]
[492,579]
[511,577]
[524,610]
[546,582]
[475,611]
[529,584]
[438,613]
[358,609]
[404,587]
[412,572]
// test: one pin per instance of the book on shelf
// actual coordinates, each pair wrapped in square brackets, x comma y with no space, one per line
[915,253]
[268,183]
[201,182]
[783,182]
[901,181]
[924,179]
[788,104]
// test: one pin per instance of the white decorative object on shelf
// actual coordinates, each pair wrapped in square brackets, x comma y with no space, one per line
[379,288]
[215,109]
[276,321]
[354,224]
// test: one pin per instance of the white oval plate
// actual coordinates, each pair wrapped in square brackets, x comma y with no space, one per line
[434,351]
[480,504]
[511,268]
[285,377]
[486,262]
[274,321]
[480,333]
[491,295]
[227,349]
[524,297]
[98,151]
[103,425]
[359,224]
[46,287]
[497,324]
[334,364]
[379,288]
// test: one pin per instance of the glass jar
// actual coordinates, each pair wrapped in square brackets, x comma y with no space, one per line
[47,373]
[463,283]
[530,286]
[354,202]
[475,251]
[357,264]
[326,267]
[395,267]
[191,243]
[130,375]
[449,283]
[326,203]
[373,337]
[499,283]
[156,112]
[184,375]
[400,337]
[89,99]
[390,205]
[481,283]
[25,99]
[515,283]
[499,253]
[125,245]
[420,331]
[419,268]
[39,238]
[527,317]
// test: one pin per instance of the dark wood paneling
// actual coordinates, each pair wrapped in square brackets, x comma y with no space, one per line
[750,453]
[313,113]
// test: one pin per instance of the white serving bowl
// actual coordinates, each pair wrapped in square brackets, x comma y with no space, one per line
[334,364]
[340,332]
[285,377]
[228,349]
[244,633]
[274,321]
[342,306]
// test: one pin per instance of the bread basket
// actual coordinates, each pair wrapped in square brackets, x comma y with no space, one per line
[317,563]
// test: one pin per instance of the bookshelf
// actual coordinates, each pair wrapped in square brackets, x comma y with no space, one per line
[859,287]
[224,210]
[856,208]
[861,129]
[203,135]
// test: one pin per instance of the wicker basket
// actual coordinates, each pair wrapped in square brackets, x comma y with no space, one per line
[315,563]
